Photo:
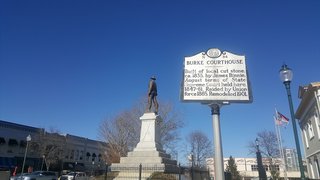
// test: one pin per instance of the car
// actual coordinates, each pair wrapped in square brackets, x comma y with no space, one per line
[37,175]
[76,175]
[18,176]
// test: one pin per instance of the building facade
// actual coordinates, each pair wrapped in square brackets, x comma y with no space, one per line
[74,152]
[248,168]
[13,144]
[308,114]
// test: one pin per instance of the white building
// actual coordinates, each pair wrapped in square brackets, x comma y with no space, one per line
[248,168]
[291,159]
[308,114]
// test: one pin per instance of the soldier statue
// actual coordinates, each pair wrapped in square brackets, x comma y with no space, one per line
[152,95]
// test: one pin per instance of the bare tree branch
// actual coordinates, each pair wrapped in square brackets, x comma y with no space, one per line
[122,132]
[268,147]
[200,147]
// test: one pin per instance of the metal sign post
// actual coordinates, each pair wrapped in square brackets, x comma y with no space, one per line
[218,153]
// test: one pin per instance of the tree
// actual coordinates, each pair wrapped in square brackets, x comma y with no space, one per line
[122,131]
[232,169]
[269,148]
[49,146]
[200,147]
[121,135]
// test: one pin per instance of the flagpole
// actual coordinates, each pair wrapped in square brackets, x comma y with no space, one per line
[283,162]
[282,156]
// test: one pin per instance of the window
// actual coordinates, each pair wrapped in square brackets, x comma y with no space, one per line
[23,143]
[77,155]
[317,166]
[12,142]
[94,156]
[254,168]
[277,167]
[311,168]
[274,167]
[88,156]
[317,120]
[67,154]
[310,130]
[81,155]
[2,140]
[306,138]
[289,162]
[71,154]
[99,156]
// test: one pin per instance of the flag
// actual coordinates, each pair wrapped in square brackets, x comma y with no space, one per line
[282,118]
[278,123]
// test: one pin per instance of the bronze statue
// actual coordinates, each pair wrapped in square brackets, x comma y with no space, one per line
[152,95]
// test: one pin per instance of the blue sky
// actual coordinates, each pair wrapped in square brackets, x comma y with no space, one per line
[71,64]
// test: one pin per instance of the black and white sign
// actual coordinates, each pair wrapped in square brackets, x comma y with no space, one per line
[215,76]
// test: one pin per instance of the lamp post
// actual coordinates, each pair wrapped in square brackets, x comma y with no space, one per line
[92,168]
[261,170]
[74,170]
[286,75]
[106,174]
[43,157]
[25,153]
[192,165]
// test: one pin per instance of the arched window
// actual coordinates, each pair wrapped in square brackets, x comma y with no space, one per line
[88,156]
[99,157]
[94,156]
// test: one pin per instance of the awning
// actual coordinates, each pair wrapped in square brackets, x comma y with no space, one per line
[7,162]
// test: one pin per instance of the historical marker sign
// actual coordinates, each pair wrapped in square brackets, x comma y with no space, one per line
[215,76]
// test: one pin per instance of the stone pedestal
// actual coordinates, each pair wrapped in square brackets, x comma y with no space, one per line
[149,133]
[148,152]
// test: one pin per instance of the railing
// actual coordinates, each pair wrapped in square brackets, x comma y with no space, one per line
[147,172]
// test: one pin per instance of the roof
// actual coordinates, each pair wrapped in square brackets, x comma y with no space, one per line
[19,126]
[306,94]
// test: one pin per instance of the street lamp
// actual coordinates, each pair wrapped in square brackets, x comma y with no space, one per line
[25,153]
[191,158]
[106,174]
[92,168]
[286,75]
[74,170]
[43,157]
[261,170]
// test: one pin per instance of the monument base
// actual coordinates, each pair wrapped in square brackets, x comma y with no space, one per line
[148,152]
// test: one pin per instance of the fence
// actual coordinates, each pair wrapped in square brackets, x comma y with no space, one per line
[146,172]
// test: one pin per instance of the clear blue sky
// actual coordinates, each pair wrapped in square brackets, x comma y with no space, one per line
[71,64]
